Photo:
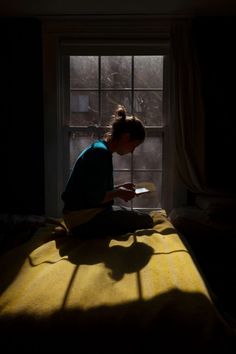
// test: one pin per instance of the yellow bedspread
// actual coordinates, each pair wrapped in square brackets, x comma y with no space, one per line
[138,293]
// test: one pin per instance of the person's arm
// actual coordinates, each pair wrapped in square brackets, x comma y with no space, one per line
[121,192]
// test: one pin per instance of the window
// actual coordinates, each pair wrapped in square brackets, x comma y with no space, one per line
[97,84]
[90,66]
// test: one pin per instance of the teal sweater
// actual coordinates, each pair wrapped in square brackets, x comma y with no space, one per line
[90,179]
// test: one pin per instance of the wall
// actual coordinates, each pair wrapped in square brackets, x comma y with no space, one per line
[21,110]
[75,7]
[21,134]
[215,39]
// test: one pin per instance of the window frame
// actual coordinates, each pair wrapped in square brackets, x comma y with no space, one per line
[97,35]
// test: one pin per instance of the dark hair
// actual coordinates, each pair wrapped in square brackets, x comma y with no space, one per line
[127,124]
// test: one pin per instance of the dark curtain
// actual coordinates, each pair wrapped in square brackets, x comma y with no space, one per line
[188,108]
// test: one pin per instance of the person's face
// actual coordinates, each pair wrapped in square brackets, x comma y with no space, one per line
[126,146]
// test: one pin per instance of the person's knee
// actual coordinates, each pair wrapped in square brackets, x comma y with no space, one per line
[143,221]
[147,221]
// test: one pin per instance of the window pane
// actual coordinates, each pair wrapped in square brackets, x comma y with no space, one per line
[83,108]
[83,72]
[152,180]
[116,72]
[148,72]
[121,162]
[148,155]
[121,177]
[148,107]
[78,142]
[110,101]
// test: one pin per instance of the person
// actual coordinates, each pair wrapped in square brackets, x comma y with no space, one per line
[89,194]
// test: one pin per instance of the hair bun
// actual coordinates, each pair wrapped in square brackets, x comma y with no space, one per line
[121,112]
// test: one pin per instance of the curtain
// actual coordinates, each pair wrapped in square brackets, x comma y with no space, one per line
[188,109]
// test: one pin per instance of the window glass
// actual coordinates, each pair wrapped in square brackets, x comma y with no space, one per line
[83,72]
[148,72]
[121,177]
[148,106]
[148,155]
[121,162]
[84,108]
[116,72]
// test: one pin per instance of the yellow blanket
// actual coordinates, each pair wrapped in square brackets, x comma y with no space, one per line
[139,293]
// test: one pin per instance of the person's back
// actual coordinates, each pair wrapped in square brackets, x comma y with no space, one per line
[91,177]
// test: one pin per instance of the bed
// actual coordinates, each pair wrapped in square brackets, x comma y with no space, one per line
[208,225]
[141,292]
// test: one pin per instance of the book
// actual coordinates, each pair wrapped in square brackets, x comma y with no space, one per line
[142,190]
[144,187]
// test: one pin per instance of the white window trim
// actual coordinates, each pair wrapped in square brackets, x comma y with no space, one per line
[59,37]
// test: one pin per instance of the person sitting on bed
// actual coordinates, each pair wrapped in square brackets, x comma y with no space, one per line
[89,193]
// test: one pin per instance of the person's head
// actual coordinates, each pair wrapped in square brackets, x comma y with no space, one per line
[127,132]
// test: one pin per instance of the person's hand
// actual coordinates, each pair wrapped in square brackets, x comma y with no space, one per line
[128,185]
[125,193]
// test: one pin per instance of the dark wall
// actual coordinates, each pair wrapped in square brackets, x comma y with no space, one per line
[21,114]
[21,134]
[216,47]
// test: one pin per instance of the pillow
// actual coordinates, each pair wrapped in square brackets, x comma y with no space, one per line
[216,205]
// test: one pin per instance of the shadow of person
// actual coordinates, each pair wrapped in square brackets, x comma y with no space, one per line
[122,260]
[119,259]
